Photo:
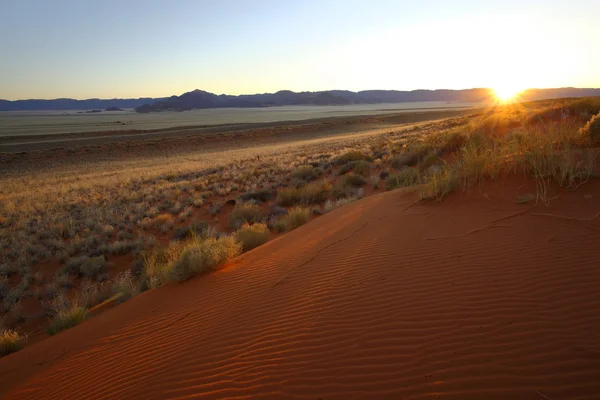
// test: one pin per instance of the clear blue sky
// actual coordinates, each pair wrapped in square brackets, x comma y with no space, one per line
[138,48]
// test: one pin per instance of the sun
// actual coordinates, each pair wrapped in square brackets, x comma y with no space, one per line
[506,93]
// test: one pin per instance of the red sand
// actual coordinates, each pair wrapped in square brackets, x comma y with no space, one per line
[474,298]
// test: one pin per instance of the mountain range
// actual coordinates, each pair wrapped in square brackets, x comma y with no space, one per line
[198,99]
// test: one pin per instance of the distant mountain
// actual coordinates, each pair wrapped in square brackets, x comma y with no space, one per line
[72,104]
[198,99]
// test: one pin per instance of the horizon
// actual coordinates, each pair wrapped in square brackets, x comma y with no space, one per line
[281,90]
[68,50]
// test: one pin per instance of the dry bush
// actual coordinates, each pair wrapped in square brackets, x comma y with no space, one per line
[66,313]
[405,177]
[125,287]
[353,155]
[306,172]
[360,167]
[296,216]
[201,256]
[439,185]
[11,341]
[251,236]
[591,130]
[313,193]
[245,213]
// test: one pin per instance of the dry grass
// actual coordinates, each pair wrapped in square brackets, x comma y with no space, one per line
[251,236]
[85,216]
[204,255]
[11,341]
[66,313]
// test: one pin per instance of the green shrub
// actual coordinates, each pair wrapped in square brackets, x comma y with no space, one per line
[251,236]
[591,130]
[204,256]
[11,341]
[245,213]
[406,177]
[313,193]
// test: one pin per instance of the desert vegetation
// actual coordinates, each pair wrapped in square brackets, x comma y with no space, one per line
[72,239]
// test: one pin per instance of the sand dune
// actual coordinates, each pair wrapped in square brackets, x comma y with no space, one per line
[475,298]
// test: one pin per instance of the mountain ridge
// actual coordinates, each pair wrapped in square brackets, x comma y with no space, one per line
[200,99]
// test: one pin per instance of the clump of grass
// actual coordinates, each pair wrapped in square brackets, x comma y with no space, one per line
[157,264]
[353,180]
[360,167]
[92,266]
[11,341]
[296,216]
[124,287]
[246,212]
[405,177]
[201,256]
[402,161]
[439,185]
[306,172]
[66,314]
[313,193]
[591,130]
[251,236]
[354,155]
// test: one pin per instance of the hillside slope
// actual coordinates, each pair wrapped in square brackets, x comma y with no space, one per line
[474,298]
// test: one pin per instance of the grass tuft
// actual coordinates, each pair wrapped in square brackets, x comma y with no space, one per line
[251,236]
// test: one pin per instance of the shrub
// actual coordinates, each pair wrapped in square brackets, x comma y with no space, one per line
[306,172]
[591,130]
[203,256]
[124,287]
[439,185]
[185,232]
[406,177]
[66,314]
[92,266]
[405,160]
[360,167]
[297,216]
[353,156]
[11,341]
[251,236]
[245,213]
[354,180]
[313,193]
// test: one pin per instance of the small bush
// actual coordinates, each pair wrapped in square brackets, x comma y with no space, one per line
[306,172]
[360,167]
[405,160]
[124,287]
[245,213]
[439,185]
[353,156]
[11,341]
[354,180]
[185,232]
[251,236]
[406,177]
[591,130]
[66,314]
[92,266]
[297,216]
[203,256]
[313,193]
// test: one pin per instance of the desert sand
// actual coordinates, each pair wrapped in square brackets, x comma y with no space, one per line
[474,298]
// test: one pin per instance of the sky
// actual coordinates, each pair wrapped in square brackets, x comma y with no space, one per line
[156,48]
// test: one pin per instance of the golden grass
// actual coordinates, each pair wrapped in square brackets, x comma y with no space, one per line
[251,236]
